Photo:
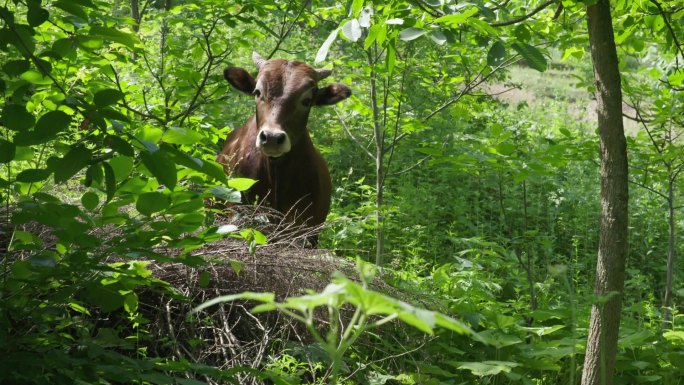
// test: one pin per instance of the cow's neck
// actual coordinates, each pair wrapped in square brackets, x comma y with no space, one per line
[279,165]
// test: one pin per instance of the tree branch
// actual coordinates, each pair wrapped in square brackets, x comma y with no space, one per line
[669,27]
[651,189]
[427,9]
[284,35]
[355,139]
[523,17]
[479,79]
[415,165]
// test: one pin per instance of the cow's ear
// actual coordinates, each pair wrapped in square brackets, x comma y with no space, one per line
[240,79]
[332,94]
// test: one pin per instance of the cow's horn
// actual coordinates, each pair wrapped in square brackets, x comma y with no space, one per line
[258,60]
[323,73]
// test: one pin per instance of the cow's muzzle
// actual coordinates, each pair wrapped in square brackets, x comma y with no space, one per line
[273,143]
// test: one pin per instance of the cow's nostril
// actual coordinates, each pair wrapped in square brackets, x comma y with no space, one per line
[263,137]
[280,138]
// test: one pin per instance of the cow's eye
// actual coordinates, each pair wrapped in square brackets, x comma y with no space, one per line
[306,102]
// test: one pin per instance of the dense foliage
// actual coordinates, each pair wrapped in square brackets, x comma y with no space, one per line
[465,166]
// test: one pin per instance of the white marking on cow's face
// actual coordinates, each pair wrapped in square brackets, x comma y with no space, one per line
[273,142]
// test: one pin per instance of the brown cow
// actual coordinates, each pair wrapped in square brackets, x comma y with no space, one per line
[274,146]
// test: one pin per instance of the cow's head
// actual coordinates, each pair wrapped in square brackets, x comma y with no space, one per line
[284,91]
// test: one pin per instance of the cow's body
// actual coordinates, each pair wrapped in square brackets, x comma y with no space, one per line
[296,184]
[274,146]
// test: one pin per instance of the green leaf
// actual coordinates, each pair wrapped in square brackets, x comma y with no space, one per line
[161,166]
[438,37]
[110,181]
[180,135]
[107,97]
[250,296]
[94,174]
[122,166]
[111,34]
[15,117]
[676,336]
[228,195]
[325,47]
[204,279]
[24,153]
[488,368]
[16,67]
[79,308]
[534,57]
[373,33]
[131,302]
[241,184]
[356,6]
[33,175]
[71,163]
[522,32]
[22,39]
[152,202]
[52,123]
[236,265]
[543,330]
[411,33]
[36,15]
[21,269]
[106,298]
[35,77]
[7,151]
[457,19]
[496,54]
[72,8]
[119,145]
[90,200]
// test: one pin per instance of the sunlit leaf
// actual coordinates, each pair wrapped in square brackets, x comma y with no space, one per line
[352,30]
[411,33]
[180,135]
[241,184]
[325,47]
[250,296]
[488,368]
[457,19]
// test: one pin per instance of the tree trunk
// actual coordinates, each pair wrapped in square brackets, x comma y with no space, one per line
[667,301]
[135,14]
[379,158]
[599,363]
